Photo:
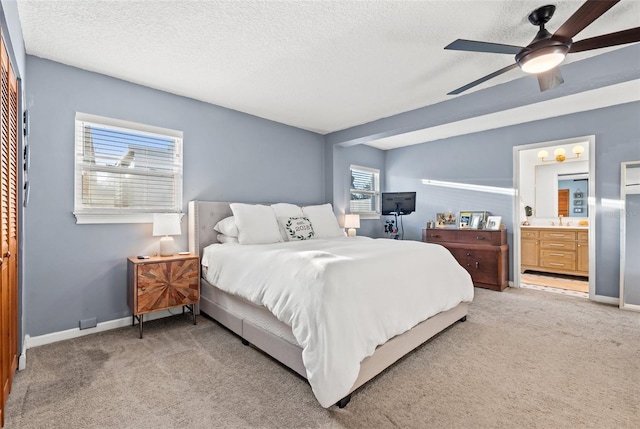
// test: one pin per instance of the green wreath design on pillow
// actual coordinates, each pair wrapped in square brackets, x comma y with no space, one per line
[293,233]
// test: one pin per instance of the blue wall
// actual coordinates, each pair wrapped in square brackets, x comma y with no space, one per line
[77,272]
[486,158]
[343,158]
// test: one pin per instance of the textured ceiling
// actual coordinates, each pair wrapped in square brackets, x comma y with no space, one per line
[318,65]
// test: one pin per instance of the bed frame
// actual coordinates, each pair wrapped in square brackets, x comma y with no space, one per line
[203,216]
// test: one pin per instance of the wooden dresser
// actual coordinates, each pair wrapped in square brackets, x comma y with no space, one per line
[483,253]
[561,250]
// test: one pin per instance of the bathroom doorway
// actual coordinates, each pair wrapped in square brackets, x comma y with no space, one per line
[554,226]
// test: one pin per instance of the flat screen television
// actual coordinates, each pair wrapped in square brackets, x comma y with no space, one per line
[400,203]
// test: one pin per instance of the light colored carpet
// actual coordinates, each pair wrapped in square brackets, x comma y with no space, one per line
[524,359]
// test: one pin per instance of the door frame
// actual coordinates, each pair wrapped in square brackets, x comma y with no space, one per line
[591,204]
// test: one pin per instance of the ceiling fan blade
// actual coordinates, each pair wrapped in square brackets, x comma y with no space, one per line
[550,79]
[585,15]
[475,46]
[484,79]
[612,39]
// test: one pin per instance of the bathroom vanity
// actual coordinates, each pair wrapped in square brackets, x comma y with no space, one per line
[555,249]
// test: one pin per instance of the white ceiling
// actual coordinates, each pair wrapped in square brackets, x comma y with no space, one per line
[317,65]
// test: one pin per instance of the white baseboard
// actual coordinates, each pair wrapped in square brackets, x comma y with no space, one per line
[22,360]
[54,337]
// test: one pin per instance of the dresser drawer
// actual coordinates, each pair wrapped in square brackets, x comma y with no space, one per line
[557,235]
[482,265]
[558,245]
[490,238]
[441,236]
[558,256]
[529,235]
[558,264]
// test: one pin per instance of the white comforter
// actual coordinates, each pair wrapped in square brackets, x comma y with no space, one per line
[342,297]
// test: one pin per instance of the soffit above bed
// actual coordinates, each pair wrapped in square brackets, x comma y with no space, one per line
[321,66]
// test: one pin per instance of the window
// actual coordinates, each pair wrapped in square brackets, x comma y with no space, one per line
[125,171]
[365,191]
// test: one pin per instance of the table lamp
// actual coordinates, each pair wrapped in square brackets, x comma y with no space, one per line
[352,221]
[166,224]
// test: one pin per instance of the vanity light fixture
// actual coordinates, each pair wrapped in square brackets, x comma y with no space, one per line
[559,154]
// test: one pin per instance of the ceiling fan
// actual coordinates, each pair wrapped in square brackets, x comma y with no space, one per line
[546,51]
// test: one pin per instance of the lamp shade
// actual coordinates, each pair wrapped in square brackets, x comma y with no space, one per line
[352,221]
[166,224]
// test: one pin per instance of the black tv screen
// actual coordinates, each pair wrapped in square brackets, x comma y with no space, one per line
[400,203]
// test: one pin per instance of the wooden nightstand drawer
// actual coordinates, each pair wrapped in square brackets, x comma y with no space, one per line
[167,284]
[160,283]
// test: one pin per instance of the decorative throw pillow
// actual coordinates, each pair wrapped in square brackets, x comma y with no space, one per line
[325,224]
[257,224]
[227,226]
[286,210]
[297,228]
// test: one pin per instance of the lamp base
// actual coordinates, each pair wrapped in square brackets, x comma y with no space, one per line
[167,246]
[351,232]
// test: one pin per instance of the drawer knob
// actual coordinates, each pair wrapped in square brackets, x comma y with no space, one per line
[468,254]
[477,264]
[143,289]
[479,238]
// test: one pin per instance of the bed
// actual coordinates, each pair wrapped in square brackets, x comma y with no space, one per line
[247,315]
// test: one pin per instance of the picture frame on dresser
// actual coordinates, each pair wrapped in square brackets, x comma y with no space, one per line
[493,223]
[464,219]
[446,219]
[476,221]
[472,219]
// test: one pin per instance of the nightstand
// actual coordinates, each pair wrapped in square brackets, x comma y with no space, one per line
[162,282]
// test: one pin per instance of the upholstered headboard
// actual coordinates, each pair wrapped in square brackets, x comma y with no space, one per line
[203,216]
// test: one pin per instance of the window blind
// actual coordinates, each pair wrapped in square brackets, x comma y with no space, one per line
[365,190]
[123,171]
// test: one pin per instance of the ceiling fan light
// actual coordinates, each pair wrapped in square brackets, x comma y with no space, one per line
[542,59]
[541,63]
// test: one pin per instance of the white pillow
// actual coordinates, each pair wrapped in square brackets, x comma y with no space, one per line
[297,227]
[286,210]
[325,224]
[227,239]
[227,226]
[257,224]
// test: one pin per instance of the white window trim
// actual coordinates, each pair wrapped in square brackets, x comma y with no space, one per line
[95,217]
[367,215]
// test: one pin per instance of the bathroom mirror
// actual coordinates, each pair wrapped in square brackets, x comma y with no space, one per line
[572,179]
[629,233]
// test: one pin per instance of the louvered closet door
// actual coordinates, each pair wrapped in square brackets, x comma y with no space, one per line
[8,227]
